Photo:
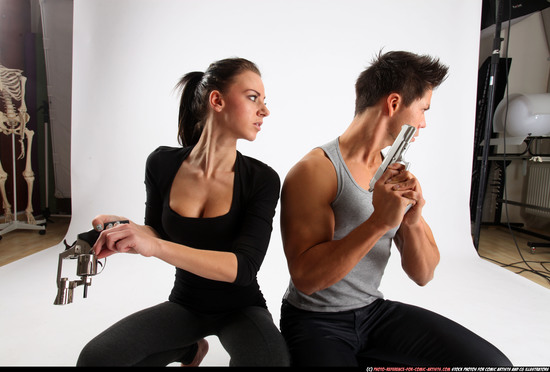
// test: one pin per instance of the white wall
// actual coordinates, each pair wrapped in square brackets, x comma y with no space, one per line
[129,54]
[57,17]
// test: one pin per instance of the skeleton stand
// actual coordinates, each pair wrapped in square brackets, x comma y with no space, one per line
[12,88]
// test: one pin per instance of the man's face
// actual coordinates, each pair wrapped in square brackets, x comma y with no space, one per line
[414,114]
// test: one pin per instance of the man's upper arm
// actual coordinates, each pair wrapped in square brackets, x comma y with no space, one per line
[306,215]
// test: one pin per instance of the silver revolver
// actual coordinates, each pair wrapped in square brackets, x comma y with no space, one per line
[86,266]
[395,153]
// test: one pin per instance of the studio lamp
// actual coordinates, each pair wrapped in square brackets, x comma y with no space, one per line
[519,116]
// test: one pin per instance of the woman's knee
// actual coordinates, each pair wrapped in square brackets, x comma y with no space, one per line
[89,356]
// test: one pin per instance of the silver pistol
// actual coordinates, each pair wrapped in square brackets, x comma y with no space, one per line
[395,153]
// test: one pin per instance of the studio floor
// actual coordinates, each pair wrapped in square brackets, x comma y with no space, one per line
[473,292]
[18,244]
[509,249]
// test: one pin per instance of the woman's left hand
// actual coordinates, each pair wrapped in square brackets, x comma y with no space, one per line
[123,238]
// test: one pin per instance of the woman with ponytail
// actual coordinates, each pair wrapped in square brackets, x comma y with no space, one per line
[209,212]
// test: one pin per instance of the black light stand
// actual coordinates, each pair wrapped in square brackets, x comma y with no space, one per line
[495,57]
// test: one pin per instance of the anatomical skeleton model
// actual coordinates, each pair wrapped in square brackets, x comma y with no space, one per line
[14,123]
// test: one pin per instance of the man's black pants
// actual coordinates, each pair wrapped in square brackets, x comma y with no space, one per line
[384,333]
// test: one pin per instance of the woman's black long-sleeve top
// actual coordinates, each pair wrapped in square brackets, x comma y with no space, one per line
[245,230]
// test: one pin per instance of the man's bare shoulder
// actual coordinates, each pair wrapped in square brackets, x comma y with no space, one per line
[313,176]
[314,164]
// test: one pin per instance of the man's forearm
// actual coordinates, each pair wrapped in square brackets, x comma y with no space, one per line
[326,263]
[419,252]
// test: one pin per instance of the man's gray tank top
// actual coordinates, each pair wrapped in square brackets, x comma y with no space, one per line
[351,207]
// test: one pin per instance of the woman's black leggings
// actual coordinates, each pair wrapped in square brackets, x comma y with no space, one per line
[384,333]
[168,333]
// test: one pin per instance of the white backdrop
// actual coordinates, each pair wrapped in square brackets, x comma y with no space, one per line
[128,56]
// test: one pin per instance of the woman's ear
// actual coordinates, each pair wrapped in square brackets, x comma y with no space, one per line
[216,101]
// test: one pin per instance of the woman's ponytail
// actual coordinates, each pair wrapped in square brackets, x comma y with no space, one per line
[191,108]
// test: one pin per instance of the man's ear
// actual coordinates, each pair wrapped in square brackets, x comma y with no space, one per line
[215,99]
[393,102]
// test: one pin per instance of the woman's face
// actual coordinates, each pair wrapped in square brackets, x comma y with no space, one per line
[243,108]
